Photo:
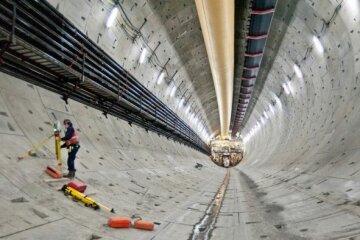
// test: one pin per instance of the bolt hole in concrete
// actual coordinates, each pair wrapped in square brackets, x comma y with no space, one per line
[279,226]
[40,214]
[251,222]
[94,237]
[11,127]
[19,200]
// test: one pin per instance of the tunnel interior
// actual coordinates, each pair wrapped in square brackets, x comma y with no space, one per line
[299,175]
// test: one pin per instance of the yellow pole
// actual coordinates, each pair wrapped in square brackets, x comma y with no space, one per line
[58,149]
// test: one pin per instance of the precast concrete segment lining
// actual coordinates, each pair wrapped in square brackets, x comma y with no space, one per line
[304,124]
[299,178]
[217,23]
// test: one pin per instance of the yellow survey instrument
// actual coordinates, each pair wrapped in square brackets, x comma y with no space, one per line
[89,202]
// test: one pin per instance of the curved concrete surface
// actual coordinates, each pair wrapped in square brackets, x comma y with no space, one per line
[135,172]
[299,178]
[303,156]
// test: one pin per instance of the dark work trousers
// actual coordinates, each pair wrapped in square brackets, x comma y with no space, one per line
[73,149]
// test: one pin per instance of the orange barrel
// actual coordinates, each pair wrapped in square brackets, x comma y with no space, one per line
[53,172]
[119,222]
[143,224]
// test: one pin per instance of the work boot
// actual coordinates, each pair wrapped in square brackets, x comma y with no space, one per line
[71,174]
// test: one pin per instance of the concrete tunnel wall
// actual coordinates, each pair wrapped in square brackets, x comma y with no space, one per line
[303,152]
[299,178]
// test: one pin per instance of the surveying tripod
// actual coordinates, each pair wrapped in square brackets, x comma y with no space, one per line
[56,135]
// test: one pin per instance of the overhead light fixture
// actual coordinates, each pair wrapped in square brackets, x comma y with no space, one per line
[161,77]
[143,56]
[290,87]
[112,17]
[173,90]
[298,71]
[318,46]
[181,102]
[278,103]
[272,110]
[266,115]
[262,120]
[286,89]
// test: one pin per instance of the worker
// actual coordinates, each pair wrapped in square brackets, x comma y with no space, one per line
[72,144]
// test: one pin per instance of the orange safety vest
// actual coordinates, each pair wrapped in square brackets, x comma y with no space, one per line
[73,140]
